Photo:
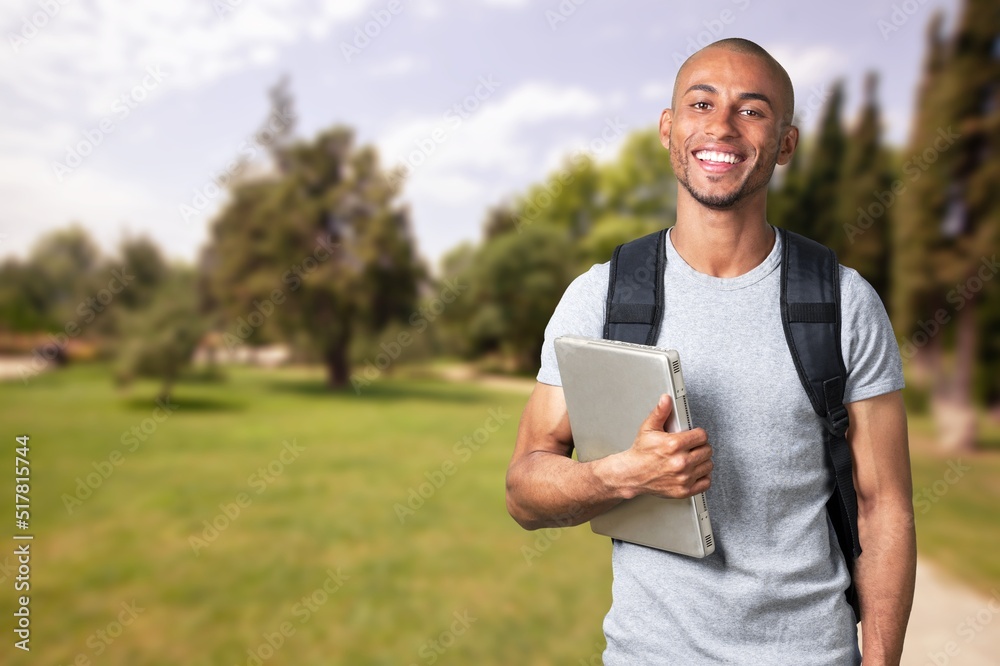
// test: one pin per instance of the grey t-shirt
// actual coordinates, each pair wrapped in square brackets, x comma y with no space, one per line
[773,591]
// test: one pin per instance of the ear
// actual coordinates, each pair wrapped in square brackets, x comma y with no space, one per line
[666,121]
[786,145]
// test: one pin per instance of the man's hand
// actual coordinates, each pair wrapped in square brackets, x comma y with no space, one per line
[673,465]
[547,488]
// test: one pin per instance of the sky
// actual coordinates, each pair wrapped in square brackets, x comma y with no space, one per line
[120,116]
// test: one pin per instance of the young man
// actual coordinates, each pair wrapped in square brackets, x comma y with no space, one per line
[773,592]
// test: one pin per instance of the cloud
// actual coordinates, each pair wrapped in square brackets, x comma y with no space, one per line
[486,138]
[396,66]
[656,91]
[810,65]
[106,206]
[86,54]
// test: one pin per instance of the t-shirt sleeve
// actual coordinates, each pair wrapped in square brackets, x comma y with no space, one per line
[868,343]
[580,312]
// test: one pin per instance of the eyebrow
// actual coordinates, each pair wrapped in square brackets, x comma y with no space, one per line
[704,87]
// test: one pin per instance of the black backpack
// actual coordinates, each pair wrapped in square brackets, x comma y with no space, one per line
[810,315]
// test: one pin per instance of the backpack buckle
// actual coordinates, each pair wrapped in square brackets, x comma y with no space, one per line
[837,421]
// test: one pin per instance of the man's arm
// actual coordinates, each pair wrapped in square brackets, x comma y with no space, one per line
[547,488]
[884,574]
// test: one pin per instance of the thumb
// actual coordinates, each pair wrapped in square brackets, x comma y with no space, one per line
[658,417]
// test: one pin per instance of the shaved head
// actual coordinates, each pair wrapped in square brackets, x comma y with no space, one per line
[746,47]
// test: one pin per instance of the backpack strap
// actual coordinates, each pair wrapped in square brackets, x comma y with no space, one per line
[810,316]
[635,290]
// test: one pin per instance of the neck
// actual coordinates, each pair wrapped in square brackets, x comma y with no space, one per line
[722,243]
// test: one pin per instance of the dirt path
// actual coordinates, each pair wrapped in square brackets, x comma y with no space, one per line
[13,367]
[950,625]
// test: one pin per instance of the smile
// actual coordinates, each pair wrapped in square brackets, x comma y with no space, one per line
[715,156]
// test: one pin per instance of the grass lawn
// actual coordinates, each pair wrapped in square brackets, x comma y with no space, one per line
[316,487]
[957,505]
[448,583]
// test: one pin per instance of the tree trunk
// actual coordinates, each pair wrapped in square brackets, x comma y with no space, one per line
[338,368]
[953,407]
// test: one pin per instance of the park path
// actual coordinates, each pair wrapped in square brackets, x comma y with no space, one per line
[11,367]
[950,624]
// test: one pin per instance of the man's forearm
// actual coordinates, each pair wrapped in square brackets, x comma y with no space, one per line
[884,575]
[549,490]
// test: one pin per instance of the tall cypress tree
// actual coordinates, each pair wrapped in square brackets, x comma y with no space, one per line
[784,200]
[952,214]
[867,197]
[817,214]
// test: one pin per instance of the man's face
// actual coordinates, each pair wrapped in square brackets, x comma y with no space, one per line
[725,133]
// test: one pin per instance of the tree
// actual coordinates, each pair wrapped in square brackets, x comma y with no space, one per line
[817,214]
[784,201]
[160,338]
[867,197]
[568,198]
[640,181]
[514,285]
[951,216]
[319,250]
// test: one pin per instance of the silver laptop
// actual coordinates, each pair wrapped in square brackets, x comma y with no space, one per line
[610,388]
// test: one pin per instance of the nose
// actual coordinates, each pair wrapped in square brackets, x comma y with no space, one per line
[720,124]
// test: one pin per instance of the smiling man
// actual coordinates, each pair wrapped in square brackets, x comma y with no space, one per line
[774,590]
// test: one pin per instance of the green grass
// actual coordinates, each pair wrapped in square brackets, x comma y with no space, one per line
[331,508]
[957,510]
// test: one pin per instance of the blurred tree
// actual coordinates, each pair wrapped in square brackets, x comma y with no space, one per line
[784,200]
[640,181]
[816,214]
[610,231]
[63,265]
[953,214]
[514,285]
[319,250]
[147,267]
[25,303]
[500,219]
[867,197]
[568,199]
[160,338]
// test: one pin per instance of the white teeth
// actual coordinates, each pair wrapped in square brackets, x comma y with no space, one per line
[713,156]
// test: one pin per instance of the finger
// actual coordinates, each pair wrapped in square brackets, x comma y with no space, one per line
[688,440]
[658,416]
[702,470]
[701,485]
